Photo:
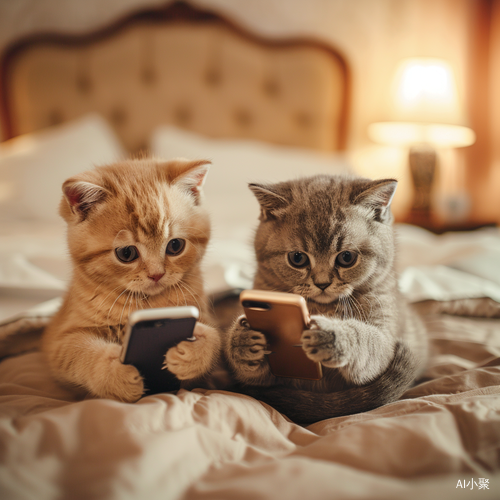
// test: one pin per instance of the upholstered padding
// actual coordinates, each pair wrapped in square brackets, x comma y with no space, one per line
[205,77]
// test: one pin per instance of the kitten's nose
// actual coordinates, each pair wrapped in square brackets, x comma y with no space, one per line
[156,277]
[322,286]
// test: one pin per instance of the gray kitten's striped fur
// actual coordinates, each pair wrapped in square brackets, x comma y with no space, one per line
[370,343]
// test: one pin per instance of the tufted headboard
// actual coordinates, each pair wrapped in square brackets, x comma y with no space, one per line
[181,66]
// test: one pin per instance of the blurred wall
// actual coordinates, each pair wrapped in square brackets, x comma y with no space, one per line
[373,34]
[488,191]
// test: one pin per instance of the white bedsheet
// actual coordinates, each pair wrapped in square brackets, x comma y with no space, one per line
[55,444]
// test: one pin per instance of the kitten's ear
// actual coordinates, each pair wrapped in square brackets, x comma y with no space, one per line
[378,196]
[188,174]
[271,202]
[81,196]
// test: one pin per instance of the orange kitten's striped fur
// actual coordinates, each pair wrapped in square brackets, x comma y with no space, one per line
[150,206]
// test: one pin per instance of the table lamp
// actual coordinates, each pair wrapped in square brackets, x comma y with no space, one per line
[424,113]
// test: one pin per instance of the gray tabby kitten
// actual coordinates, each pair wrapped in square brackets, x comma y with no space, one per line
[330,239]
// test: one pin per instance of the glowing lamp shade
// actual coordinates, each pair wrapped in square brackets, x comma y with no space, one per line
[424,107]
[424,113]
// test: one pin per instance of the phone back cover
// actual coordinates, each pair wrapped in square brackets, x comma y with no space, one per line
[283,326]
[147,347]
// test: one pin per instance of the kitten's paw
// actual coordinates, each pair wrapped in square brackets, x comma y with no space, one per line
[131,387]
[115,380]
[247,351]
[179,360]
[249,345]
[190,360]
[320,342]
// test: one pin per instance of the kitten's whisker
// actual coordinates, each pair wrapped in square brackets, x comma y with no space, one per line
[191,282]
[190,296]
[356,248]
[382,309]
[98,308]
[193,295]
[353,307]
[145,298]
[183,295]
[95,295]
[111,308]
[341,305]
[130,303]
[348,308]
[359,309]
[370,303]
[338,305]
[348,313]
[124,305]
[171,289]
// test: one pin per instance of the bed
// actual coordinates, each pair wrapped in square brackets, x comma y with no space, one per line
[260,110]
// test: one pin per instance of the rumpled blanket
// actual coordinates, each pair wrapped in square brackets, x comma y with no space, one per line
[441,440]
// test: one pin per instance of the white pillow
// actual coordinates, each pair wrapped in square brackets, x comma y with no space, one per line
[233,207]
[34,166]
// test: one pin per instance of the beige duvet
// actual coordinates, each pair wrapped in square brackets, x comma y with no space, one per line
[441,440]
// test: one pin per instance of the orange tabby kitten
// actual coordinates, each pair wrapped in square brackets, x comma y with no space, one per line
[137,231]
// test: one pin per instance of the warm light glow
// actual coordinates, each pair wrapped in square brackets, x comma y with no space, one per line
[424,107]
[406,134]
[425,84]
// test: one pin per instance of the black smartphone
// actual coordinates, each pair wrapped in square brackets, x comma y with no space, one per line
[149,334]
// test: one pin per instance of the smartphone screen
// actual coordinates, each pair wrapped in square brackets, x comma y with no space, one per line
[148,338]
[282,317]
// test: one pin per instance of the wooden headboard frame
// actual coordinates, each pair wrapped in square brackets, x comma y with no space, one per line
[196,70]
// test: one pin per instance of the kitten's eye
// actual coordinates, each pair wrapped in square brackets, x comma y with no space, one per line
[346,259]
[175,246]
[127,254]
[298,259]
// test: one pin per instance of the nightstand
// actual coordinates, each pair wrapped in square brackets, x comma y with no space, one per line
[440,227]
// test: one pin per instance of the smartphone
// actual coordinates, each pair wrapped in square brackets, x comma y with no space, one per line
[282,317]
[149,334]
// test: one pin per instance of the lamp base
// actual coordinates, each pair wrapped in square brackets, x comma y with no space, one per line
[438,227]
[422,218]
[422,160]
